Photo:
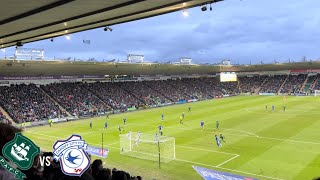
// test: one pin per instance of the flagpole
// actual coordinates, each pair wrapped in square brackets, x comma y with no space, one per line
[102,144]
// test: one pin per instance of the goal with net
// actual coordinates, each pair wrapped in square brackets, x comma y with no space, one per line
[316,92]
[146,146]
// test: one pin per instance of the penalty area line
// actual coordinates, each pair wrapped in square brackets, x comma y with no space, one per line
[227,161]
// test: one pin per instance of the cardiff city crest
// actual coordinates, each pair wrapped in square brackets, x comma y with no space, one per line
[74,161]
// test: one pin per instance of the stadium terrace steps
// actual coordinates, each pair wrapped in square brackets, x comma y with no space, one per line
[313,84]
[258,90]
[7,115]
[68,113]
[283,84]
[96,95]
[304,84]
[308,84]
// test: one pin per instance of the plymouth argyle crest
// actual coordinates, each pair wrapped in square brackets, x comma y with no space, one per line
[21,151]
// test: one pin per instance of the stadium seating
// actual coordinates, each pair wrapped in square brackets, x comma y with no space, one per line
[27,103]
[251,84]
[76,99]
[293,83]
[272,84]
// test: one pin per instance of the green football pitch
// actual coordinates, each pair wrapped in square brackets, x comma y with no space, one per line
[259,144]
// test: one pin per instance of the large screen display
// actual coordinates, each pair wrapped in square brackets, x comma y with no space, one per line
[228,77]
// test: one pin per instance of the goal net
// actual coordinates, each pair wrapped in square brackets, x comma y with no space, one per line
[145,146]
[316,92]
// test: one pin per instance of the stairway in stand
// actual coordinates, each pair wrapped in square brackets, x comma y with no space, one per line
[283,84]
[306,85]
[55,101]
[257,90]
[7,116]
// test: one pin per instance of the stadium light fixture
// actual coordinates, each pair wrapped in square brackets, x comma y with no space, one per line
[184,4]
[204,8]
[19,44]
[68,37]
[185,13]
[107,28]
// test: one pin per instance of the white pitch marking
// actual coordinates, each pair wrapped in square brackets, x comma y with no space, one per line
[207,150]
[191,162]
[242,131]
[227,161]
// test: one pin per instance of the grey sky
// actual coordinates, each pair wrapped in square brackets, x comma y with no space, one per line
[242,31]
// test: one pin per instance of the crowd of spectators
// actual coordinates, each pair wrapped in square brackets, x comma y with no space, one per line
[251,84]
[293,83]
[113,95]
[76,98]
[143,93]
[316,85]
[3,118]
[27,103]
[272,84]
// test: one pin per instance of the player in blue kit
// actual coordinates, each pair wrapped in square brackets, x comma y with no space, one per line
[272,107]
[202,124]
[160,129]
[218,141]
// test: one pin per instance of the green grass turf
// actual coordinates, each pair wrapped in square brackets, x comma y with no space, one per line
[270,145]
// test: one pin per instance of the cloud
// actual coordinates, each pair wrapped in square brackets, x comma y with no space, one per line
[243,31]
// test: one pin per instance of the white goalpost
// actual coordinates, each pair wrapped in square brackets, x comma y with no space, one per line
[146,146]
[316,92]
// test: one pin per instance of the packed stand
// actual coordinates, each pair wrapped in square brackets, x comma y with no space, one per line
[293,84]
[113,95]
[3,118]
[316,84]
[197,88]
[251,84]
[28,103]
[272,84]
[143,93]
[76,99]
[218,88]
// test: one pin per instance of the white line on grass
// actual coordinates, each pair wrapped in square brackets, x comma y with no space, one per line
[207,150]
[191,162]
[242,131]
[227,161]
[259,137]
[218,167]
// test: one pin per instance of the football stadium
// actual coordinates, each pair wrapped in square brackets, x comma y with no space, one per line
[134,118]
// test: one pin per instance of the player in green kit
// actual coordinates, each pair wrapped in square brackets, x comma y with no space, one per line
[222,138]
[181,118]
[50,122]
[284,108]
